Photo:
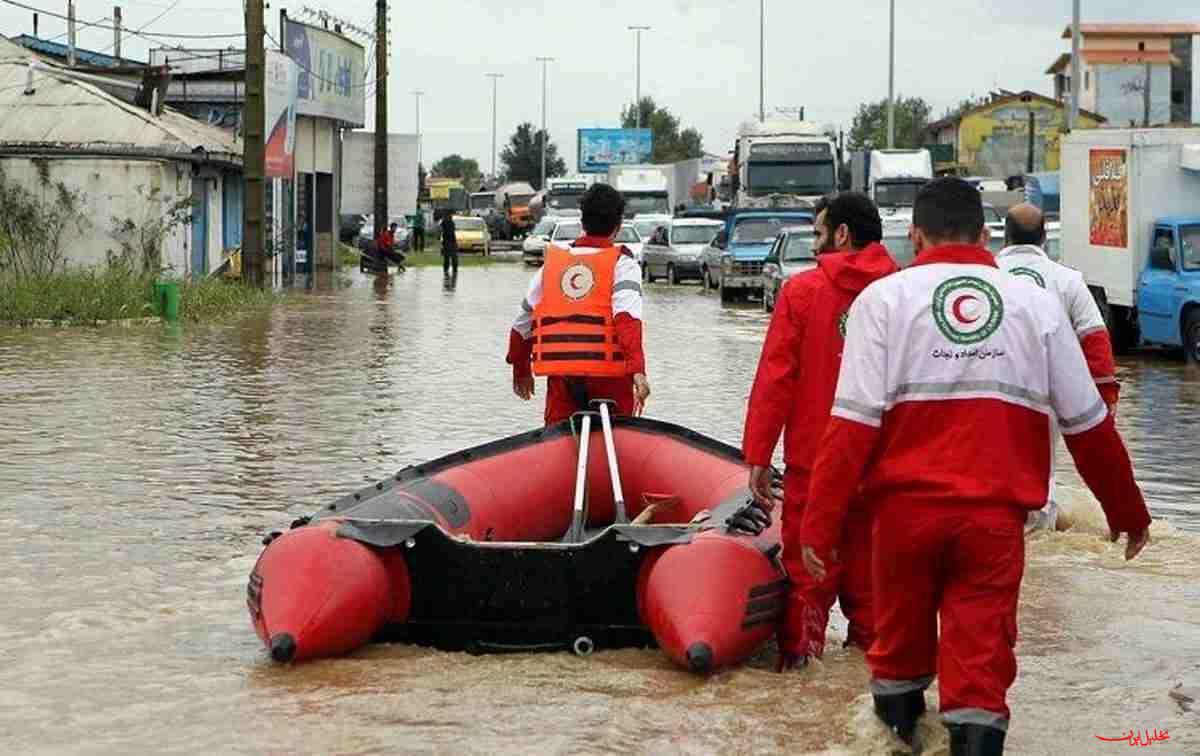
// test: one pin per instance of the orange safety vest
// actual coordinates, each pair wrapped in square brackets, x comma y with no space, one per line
[573,331]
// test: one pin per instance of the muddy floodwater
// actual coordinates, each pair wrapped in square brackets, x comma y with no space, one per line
[139,469]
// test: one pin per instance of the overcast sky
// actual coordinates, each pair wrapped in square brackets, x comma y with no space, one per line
[700,59]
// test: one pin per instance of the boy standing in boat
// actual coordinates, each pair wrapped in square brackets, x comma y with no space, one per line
[941,425]
[580,323]
[794,388]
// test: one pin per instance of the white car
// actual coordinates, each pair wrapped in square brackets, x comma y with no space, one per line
[647,224]
[562,230]
[628,236]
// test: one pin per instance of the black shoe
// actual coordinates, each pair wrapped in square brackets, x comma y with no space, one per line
[975,740]
[900,712]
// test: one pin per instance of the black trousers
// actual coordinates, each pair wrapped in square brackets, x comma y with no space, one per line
[418,240]
[449,258]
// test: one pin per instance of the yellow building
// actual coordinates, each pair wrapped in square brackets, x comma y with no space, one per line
[993,139]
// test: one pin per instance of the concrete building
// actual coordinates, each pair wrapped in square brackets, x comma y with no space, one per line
[993,139]
[128,162]
[1135,74]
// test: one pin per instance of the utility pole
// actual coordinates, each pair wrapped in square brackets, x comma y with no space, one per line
[1073,113]
[891,135]
[637,103]
[495,77]
[545,136]
[1146,97]
[1032,132]
[762,60]
[254,155]
[70,34]
[418,94]
[381,122]
[117,32]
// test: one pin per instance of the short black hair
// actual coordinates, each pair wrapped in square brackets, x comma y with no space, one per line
[859,214]
[820,205]
[1020,233]
[603,209]
[949,210]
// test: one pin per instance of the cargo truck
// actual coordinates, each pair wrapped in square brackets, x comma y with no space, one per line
[782,164]
[892,178]
[513,217]
[1131,225]
[646,188]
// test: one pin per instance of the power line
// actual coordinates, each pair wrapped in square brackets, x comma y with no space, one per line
[107,27]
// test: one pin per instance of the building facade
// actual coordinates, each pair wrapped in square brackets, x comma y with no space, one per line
[998,138]
[1135,74]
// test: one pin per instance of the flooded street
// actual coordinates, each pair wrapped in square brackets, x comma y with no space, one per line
[140,468]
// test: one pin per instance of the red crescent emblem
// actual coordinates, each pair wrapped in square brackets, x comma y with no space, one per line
[957,308]
[573,282]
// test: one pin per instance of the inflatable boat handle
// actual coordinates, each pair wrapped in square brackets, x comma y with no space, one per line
[579,514]
[610,448]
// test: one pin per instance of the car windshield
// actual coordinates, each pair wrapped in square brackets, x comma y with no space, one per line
[897,195]
[483,201]
[635,205]
[468,224]
[791,178]
[568,232]
[799,248]
[564,201]
[693,234]
[627,235]
[646,229]
[901,249]
[544,228]
[759,230]
[1190,238]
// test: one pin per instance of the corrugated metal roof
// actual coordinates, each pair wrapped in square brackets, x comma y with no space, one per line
[59,50]
[64,114]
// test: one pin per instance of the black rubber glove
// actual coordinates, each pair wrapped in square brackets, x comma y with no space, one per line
[750,519]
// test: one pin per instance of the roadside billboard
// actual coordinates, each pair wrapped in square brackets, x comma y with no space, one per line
[282,75]
[601,148]
[332,71]
[1108,203]
[358,174]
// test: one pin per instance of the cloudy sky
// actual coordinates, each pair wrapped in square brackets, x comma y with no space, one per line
[700,59]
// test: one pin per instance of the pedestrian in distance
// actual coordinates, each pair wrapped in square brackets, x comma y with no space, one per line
[1023,255]
[385,249]
[449,246]
[418,230]
[793,394]
[580,323]
[951,373]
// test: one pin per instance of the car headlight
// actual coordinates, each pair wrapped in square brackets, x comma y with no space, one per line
[726,263]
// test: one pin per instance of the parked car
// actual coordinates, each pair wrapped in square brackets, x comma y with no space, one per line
[993,219]
[472,235]
[646,225]
[563,230]
[534,246]
[629,237]
[792,253]
[674,250]
[733,262]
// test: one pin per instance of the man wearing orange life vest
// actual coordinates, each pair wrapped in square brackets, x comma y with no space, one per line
[580,324]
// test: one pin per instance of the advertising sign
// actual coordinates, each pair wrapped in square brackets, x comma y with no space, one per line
[791,152]
[358,174]
[282,76]
[1108,201]
[600,148]
[332,71]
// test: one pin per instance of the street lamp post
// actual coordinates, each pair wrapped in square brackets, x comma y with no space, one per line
[891,113]
[495,77]
[637,105]
[762,60]
[545,137]
[417,95]
[1073,112]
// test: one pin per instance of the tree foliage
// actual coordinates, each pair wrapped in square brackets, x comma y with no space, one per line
[522,157]
[870,124]
[457,167]
[968,103]
[34,225]
[670,143]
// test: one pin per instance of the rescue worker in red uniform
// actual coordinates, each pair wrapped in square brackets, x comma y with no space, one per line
[950,376]
[1023,255]
[793,390]
[581,321]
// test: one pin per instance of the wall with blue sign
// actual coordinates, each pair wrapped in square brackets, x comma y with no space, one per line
[601,148]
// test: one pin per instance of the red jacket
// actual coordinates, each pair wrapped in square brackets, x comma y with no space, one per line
[798,371]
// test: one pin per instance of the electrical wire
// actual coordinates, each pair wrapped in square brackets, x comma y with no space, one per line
[107,27]
[314,74]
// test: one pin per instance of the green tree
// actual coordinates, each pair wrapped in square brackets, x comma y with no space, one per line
[522,157]
[457,167]
[670,143]
[968,103]
[870,124]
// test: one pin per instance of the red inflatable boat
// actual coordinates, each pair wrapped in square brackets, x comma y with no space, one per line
[469,552]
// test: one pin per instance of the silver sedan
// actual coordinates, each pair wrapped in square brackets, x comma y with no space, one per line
[673,251]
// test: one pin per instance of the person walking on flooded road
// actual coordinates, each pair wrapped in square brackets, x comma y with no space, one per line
[951,373]
[580,323]
[793,390]
[1023,255]
[449,245]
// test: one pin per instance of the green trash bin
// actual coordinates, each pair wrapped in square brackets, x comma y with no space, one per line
[167,294]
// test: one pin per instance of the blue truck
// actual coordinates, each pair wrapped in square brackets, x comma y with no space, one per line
[733,262]
[1131,224]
